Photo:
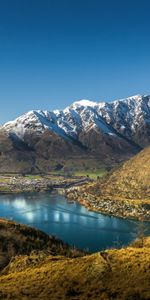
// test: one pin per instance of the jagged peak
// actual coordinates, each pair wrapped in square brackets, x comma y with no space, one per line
[122,114]
[135,98]
[85,102]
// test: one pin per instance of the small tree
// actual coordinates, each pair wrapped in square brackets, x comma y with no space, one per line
[141,232]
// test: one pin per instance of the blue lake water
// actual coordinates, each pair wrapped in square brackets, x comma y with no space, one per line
[71,222]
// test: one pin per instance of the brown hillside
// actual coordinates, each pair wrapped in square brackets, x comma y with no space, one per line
[113,274]
[125,192]
[42,152]
[52,270]
[16,239]
[131,181]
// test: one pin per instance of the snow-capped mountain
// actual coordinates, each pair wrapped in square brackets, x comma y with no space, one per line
[109,130]
[130,117]
[80,116]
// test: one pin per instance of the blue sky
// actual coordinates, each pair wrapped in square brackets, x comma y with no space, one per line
[53,52]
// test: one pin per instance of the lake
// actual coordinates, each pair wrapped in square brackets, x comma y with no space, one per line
[71,222]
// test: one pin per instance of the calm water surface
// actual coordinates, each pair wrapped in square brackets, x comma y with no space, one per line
[69,221]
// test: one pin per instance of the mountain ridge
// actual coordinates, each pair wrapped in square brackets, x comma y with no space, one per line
[111,131]
[121,115]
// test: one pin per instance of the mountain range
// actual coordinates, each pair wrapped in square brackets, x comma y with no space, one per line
[108,131]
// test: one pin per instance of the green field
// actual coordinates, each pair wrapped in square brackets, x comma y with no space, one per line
[30,176]
[92,173]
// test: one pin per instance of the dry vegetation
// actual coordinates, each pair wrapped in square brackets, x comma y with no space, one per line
[124,192]
[113,274]
[41,267]
[132,180]
[16,239]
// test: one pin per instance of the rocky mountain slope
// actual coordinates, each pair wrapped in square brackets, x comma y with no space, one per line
[130,117]
[112,132]
[124,192]
[120,274]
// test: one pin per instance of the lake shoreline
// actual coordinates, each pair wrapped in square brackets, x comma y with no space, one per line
[122,208]
[71,222]
[72,188]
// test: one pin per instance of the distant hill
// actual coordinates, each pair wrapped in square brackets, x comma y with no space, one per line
[130,181]
[124,192]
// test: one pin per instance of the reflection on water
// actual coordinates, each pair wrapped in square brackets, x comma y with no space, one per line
[69,221]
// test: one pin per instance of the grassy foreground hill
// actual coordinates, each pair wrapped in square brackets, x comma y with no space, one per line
[132,180]
[16,239]
[125,192]
[121,274]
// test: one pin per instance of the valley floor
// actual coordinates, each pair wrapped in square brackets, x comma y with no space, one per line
[36,183]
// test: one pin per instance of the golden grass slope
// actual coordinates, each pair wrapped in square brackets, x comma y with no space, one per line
[125,192]
[132,180]
[113,274]
[17,239]
[42,267]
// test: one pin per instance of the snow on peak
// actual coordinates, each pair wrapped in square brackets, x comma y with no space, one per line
[131,98]
[135,97]
[85,103]
[123,115]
